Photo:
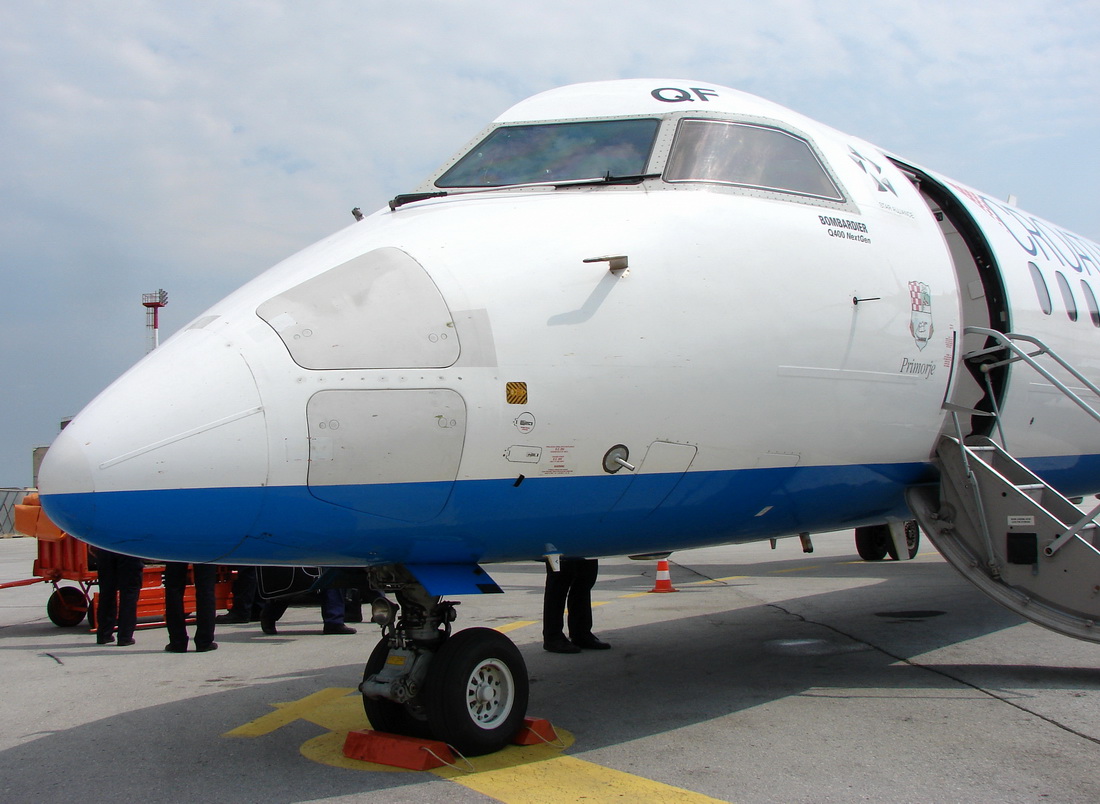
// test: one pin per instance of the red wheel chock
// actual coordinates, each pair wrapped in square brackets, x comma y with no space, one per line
[535,731]
[414,754]
[397,750]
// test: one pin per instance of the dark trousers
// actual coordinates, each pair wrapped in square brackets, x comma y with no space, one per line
[571,585]
[244,592]
[175,580]
[119,587]
[332,607]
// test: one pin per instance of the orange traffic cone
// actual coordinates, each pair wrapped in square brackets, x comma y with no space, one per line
[664,579]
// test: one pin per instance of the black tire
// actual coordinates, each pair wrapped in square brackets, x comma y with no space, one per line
[408,719]
[873,542]
[67,607]
[476,691]
[912,540]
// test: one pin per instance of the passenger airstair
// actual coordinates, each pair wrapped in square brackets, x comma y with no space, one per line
[1008,532]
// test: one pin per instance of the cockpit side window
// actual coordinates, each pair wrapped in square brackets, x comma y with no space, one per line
[747,155]
[555,152]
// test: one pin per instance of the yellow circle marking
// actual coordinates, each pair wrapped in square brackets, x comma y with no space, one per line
[345,713]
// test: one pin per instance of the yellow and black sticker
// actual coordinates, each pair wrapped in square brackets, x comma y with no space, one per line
[516,393]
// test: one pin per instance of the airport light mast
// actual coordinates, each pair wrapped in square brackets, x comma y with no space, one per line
[152,303]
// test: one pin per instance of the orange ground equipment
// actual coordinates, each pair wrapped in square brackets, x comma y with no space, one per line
[62,557]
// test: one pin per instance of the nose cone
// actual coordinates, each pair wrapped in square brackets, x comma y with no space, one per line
[169,461]
[65,471]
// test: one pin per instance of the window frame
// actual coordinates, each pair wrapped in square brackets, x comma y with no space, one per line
[658,160]
[1090,302]
[1068,299]
[496,131]
[1042,289]
[819,161]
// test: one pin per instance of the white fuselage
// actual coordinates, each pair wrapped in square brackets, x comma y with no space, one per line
[450,380]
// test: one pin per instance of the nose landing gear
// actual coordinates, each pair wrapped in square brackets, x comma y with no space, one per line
[477,691]
[468,689]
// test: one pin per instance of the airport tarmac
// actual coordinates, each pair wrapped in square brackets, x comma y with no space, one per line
[770,676]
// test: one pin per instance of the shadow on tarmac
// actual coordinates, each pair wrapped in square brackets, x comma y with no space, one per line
[659,678]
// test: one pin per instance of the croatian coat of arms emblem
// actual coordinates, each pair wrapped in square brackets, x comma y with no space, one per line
[920,317]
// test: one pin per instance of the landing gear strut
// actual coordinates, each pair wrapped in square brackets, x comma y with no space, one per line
[468,690]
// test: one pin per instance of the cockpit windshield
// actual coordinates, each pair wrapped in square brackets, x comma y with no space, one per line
[747,155]
[555,152]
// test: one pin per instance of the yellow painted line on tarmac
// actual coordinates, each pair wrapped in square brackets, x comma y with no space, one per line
[504,629]
[303,709]
[717,580]
[568,779]
[534,774]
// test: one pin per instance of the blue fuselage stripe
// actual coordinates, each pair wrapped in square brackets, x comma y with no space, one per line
[500,520]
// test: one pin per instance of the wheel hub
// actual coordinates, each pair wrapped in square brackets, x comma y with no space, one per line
[489,693]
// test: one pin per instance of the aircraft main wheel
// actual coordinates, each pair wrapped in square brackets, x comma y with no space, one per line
[67,607]
[912,540]
[407,719]
[476,691]
[873,542]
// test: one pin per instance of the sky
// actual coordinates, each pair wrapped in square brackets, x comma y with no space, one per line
[191,145]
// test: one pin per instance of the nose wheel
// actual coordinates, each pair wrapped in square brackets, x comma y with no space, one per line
[476,691]
[468,689]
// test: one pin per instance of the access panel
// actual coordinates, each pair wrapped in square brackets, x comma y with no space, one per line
[392,453]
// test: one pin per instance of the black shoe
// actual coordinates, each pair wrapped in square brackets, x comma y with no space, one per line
[591,643]
[205,648]
[105,640]
[231,618]
[268,627]
[124,643]
[560,645]
[172,647]
[339,629]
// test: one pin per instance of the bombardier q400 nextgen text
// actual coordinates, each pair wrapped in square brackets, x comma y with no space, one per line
[629,317]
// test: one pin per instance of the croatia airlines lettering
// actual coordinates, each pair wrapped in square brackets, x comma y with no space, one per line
[1039,239]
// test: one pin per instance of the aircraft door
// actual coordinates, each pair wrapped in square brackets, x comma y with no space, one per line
[664,464]
[391,453]
[982,301]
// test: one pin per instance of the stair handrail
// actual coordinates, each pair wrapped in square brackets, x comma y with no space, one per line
[975,491]
[1006,340]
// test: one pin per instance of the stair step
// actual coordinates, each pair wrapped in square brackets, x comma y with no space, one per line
[985,530]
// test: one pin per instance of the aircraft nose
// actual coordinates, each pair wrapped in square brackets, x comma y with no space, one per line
[156,465]
[65,469]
